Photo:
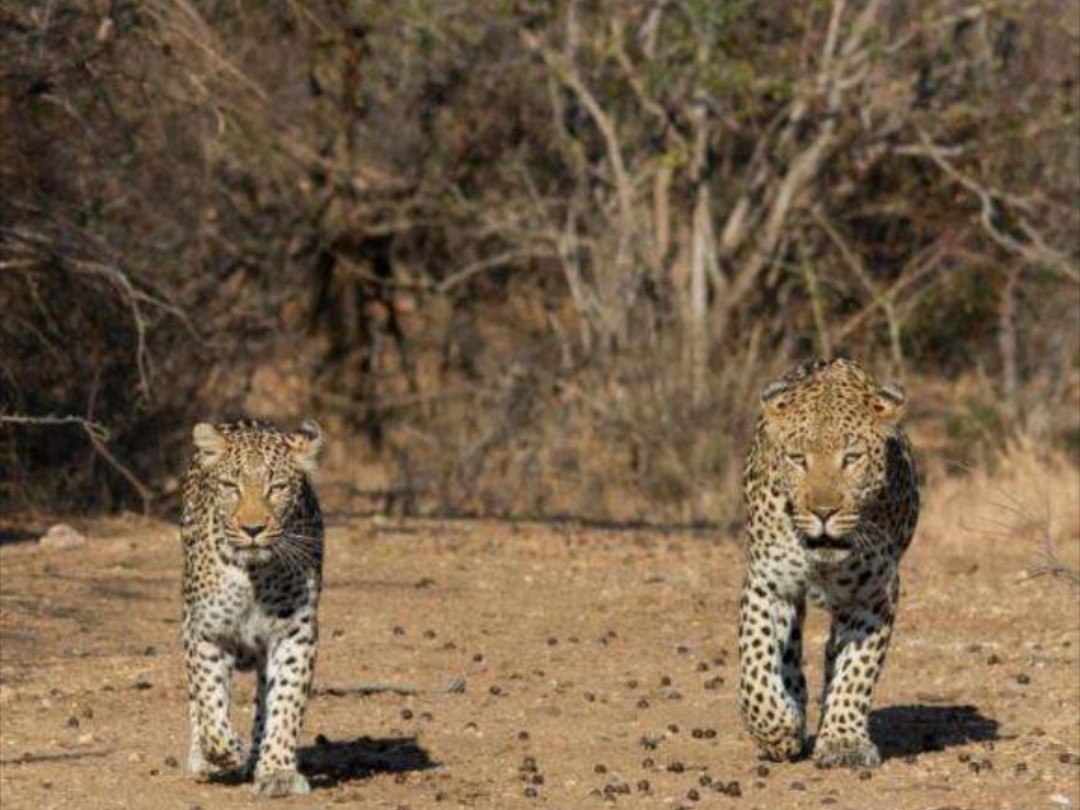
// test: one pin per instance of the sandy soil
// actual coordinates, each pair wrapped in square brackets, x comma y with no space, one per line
[598,666]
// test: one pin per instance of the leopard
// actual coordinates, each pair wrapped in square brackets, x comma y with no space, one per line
[252,536]
[831,499]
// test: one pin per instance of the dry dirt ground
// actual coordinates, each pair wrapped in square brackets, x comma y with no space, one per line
[598,668]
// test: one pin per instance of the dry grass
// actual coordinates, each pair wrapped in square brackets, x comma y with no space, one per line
[1027,496]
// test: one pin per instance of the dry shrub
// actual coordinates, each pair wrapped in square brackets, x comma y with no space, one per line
[523,258]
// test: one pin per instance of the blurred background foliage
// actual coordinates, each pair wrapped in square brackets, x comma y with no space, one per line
[526,258]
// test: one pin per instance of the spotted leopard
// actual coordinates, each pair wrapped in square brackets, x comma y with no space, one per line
[832,501]
[253,546]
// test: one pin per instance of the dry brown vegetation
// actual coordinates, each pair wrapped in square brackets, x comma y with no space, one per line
[526,258]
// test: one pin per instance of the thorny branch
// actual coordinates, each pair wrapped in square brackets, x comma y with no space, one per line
[98,435]
[1035,250]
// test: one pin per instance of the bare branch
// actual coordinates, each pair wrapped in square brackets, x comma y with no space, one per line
[1035,251]
[568,75]
[98,435]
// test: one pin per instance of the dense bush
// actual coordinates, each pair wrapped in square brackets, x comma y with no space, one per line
[525,257]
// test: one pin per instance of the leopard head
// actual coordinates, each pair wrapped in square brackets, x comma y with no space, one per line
[258,477]
[830,440]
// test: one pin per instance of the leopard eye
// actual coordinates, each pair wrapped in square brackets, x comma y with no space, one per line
[277,487]
[852,458]
[798,459]
[229,487]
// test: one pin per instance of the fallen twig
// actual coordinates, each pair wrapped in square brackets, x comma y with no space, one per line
[454,686]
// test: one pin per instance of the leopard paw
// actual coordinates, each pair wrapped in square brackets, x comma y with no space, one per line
[274,784]
[836,752]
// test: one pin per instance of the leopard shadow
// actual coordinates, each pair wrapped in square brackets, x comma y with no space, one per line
[901,731]
[331,762]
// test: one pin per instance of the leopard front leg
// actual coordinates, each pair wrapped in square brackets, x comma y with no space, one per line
[212,744]
[258,722]
[855,656]
[772,687]
[290,668]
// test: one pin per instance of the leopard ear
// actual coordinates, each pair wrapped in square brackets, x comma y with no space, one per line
[775,399]
[307,444]
[209,441]
[889,403]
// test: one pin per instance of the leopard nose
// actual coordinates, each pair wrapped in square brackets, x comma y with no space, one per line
[253,531]
[824,513]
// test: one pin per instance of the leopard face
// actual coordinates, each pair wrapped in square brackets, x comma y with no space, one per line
[256,479]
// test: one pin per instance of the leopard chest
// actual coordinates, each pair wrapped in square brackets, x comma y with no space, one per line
[246,609]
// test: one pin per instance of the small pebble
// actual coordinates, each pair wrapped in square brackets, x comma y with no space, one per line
[61,537]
